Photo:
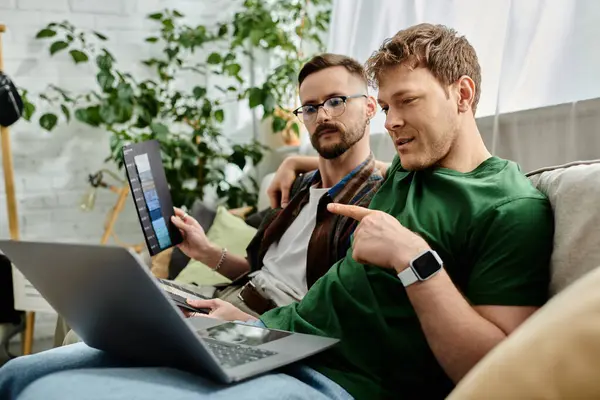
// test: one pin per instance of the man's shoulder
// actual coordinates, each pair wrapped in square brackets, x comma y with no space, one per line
[302,181]
[516,194]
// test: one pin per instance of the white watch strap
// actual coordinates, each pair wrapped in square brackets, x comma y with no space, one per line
[408,276]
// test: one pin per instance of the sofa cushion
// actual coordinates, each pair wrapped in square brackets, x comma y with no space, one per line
[227,230]
[555,354]
[574,192]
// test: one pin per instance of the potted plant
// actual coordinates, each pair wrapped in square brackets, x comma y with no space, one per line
[188,122]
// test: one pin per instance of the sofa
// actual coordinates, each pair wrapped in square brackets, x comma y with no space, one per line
[555,354]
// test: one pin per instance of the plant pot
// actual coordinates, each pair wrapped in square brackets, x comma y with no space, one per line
[289,137]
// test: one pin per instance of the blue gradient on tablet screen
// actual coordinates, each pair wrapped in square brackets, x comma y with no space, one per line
[152,201]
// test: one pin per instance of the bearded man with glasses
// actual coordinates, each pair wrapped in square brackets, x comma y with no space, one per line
[297,243]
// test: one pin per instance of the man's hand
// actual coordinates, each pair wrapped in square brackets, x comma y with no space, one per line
[280,187]
[380,239]
[219,309]
[195,243]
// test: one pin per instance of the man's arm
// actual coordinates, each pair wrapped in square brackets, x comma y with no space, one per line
[460,335]
[280,187]
[232,267]
[197,246]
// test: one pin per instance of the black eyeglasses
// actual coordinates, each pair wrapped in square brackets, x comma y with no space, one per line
[333,106]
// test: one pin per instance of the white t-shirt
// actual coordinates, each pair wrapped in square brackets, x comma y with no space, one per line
[283,275]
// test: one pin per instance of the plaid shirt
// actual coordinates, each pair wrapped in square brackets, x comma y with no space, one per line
[330,239]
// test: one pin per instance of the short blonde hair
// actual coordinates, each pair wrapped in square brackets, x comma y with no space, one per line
[436,47]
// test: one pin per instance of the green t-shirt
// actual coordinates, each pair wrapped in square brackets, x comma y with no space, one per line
[492,229]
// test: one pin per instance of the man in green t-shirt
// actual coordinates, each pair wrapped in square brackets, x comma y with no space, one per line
[451,256]
[444,192]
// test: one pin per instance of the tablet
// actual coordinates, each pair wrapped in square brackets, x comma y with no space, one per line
[150,192]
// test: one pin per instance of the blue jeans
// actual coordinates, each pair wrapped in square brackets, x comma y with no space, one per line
[81,372]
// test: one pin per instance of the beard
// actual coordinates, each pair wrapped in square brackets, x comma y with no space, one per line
[348,138]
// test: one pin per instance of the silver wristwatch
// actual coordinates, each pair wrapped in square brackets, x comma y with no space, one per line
[421,268]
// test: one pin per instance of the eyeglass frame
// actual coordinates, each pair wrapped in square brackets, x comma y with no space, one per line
[318,106]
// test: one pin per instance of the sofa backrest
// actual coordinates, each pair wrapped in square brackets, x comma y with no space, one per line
[574,192]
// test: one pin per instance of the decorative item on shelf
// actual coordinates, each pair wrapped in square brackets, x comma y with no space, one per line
[122,190]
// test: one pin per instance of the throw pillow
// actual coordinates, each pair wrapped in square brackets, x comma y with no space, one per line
[229,231]
[573,190]
[555,354]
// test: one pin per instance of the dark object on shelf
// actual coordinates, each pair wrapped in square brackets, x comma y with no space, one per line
[11,104]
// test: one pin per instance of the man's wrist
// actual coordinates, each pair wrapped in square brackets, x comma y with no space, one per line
[210,255]
[291,163]
[403,261]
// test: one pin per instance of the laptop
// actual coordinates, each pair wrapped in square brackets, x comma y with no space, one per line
[111,300]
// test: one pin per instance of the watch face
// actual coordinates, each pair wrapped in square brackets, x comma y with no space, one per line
[426,265]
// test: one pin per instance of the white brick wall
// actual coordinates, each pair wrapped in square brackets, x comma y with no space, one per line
[51,168]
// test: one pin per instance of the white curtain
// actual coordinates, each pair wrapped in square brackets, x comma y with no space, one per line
[534,54]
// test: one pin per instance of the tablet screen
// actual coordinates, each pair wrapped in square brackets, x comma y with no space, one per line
[150,192]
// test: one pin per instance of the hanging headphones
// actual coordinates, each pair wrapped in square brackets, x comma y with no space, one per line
[11,104]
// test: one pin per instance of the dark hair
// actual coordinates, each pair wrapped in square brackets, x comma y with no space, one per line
[328,60]
[436,47]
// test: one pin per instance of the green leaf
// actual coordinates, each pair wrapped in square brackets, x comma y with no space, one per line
[296,128]
[255,36]
[106,80]
[278,124]
[89,115]
[269,103]
[238,158]
[199,92]
[78,56]
[168,25]
[206,109]
[108,114]
[160,130]
[125,92]
[214,58]
[58,46]
[104,62]
[100,36]
[233,69]
[66,112]
[151,39]
[171,53]
[28,110]
[222,30]
[48,121]
[156,16]
[256,96]
[177,14]
[219,115]
[45,33]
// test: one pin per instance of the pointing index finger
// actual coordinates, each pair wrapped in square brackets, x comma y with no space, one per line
[354,212]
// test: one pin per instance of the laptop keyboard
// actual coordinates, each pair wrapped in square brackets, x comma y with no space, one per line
[234,355]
